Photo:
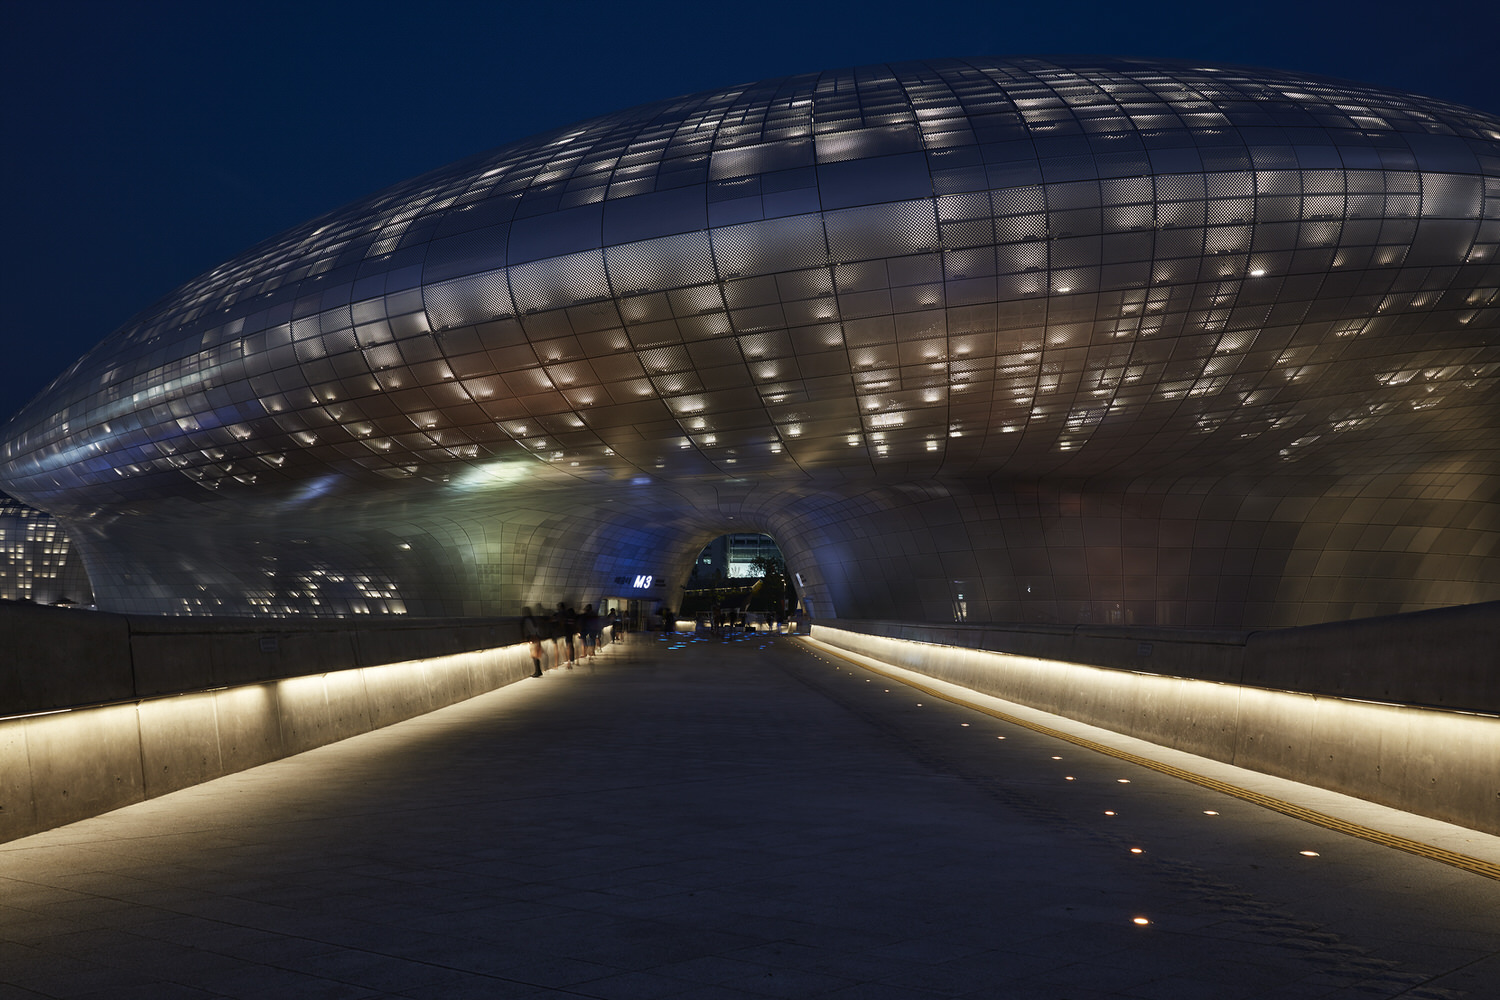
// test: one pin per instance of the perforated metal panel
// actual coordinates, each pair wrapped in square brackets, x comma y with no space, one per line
[1249,318]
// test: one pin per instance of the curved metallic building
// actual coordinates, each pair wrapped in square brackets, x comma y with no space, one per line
[1030,340]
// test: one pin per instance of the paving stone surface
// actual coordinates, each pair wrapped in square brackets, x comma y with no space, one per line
[725,818]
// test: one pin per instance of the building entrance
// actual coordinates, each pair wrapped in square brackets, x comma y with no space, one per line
[631,611]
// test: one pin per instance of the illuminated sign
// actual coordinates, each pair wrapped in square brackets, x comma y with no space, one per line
[642,583]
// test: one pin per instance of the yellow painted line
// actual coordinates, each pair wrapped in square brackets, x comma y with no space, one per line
[1447,857]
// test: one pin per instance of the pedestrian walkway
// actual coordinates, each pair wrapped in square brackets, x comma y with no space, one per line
[726,818]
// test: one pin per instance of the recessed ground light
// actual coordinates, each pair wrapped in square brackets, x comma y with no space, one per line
[1136,850]
[964,724]
[1109,812]
[1068,778]
[1057,758]
[1123,781]
[1209,812]
[999,737]
[1140,921]
[1310,854]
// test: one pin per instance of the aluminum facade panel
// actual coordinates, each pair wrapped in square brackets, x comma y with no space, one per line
[923,323]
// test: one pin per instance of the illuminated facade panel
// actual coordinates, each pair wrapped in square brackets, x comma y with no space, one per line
[37,561]
[1100,340]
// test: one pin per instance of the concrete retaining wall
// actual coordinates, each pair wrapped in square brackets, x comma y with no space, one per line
[63,658]
[98,710]
[1447,658]
[1234,696]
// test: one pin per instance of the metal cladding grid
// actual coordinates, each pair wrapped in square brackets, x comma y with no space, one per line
[1242,552]
[1105,267]
[1247,551]
[464,557]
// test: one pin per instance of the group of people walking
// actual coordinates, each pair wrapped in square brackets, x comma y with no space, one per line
[567,630]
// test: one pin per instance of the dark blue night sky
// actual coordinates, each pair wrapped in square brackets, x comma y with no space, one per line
[148,142]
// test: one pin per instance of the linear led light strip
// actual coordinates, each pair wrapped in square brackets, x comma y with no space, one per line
[1475,865]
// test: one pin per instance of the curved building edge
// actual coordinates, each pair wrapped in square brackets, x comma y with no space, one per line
[1118,342]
